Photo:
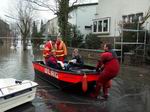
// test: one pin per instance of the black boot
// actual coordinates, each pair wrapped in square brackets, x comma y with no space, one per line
[96,91]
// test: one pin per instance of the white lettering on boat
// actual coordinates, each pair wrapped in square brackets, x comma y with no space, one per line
[51,73]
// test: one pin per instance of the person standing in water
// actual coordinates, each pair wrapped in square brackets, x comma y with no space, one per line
[110,68]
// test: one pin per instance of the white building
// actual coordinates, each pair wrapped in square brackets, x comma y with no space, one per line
[110,13]
[81,16]
[51,27]
[110,17]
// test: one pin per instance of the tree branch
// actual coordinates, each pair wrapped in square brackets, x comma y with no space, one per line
[146,16]
[42,4]
[74,2]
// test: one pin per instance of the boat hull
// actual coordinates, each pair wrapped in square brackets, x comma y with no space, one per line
[16,99]
[64,79]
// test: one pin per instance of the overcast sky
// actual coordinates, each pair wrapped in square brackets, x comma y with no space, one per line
[5,8]
[7,5]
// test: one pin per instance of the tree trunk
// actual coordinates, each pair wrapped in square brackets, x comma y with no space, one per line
[63,19]
[24,43]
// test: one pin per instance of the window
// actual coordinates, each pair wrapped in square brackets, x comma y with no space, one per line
[124,18]
[132,18]
[87,27]
[101,25]
[105,25]
[140,17]
[95,26]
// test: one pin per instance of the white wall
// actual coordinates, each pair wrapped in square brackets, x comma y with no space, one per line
[52,26]
[82,16]
[115,9]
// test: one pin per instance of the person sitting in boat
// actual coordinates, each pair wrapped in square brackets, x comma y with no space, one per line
[48,47]
[110,68]
[76,59]
[61,49]
[52,60]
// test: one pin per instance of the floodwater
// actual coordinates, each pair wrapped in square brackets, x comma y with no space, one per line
[130,91]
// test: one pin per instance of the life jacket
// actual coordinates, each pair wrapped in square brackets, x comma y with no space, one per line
[48,47]
[61,49]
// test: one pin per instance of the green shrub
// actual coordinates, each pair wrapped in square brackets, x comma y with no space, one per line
[92,42]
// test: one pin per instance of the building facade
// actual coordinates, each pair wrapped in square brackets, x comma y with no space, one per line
[81,16]
[51,27]
[4,29]
[110,14]
[4,33]
[111,19]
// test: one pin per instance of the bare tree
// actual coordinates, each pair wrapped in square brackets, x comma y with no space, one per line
[23,15]
[145,18]
[61,8]
[25,18]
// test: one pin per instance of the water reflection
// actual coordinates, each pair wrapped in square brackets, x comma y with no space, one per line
[27,107]
[60,101]
[16,63]
[126,94]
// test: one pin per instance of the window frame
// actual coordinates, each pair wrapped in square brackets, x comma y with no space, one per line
[100,30]
[127,18]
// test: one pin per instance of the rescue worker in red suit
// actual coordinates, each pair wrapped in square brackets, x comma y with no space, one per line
[48,47]
[61,50]
[110,65]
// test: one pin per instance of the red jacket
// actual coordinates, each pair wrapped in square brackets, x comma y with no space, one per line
[52,62]
[109,62]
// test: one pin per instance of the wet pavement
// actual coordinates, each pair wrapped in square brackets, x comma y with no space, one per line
[130,91]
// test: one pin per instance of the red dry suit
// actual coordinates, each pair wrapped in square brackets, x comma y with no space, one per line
[110,70]
[52,62]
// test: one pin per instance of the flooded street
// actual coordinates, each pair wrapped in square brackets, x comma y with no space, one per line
[130,91]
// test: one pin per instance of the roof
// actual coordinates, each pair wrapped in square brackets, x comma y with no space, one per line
[77,5]
[87,4]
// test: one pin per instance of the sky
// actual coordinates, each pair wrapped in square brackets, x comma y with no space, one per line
[6,6]
[5,9]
